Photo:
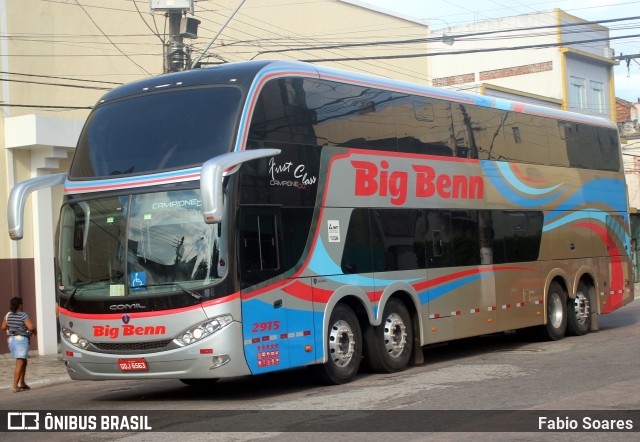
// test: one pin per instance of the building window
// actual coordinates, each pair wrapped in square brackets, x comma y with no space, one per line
[577,93]
[597,97]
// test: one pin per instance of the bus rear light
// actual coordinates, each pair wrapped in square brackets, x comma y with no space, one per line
[202,330]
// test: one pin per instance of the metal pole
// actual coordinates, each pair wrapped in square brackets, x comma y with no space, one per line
[217,34]
[174,54]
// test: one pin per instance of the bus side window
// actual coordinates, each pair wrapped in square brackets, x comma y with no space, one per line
[608,145]
[424,126]
[466,238]
[357,254]
[438,249]
[438,239]
[394,242]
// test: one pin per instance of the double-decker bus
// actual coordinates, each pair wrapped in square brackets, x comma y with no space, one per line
[260,216]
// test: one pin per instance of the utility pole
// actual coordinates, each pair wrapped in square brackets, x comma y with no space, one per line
[177,54]
[628,59]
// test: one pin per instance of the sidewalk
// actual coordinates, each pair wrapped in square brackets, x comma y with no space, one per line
[40,370]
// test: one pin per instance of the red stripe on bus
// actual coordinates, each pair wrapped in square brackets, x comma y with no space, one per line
[617,274]
[117,316]
[447,278]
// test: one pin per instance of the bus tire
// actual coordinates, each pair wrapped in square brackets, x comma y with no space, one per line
[199,383]
[556,313]
[579,312]
[343,347]
[389,345]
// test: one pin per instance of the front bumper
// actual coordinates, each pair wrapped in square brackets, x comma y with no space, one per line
[191,362]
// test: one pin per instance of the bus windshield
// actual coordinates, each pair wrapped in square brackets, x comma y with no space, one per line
[138,245]
[159,131]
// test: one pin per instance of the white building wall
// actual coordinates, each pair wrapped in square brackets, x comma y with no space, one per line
[532,71]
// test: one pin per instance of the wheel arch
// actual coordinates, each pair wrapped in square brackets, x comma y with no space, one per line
[584,274]
[406,294]
[590,281]
[357,300]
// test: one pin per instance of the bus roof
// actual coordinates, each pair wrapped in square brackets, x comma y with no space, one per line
[253,74]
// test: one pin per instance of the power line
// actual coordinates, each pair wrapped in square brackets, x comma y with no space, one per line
[42,106]
[470,51]
[455,36]
[156,33]
[58,78]
[107,37]
[57,84]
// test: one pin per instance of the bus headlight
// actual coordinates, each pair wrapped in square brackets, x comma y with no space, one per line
[74,338]
[202,330]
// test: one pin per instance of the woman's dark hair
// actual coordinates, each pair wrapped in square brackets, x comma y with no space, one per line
[14,304]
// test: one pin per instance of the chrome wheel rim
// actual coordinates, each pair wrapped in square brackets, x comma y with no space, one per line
[555,310]
[341,343]
[395,335]
[581,307]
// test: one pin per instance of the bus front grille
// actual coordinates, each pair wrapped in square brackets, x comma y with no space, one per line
[133,347]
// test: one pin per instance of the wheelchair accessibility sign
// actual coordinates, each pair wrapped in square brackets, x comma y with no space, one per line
[138,280]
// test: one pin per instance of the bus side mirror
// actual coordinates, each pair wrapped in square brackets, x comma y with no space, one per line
[18,197]
[212,173]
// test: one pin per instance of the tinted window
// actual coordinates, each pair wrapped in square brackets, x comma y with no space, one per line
[466,238]
[259,244]
[158,131]
[408,239]
[401,237]
[525,138]
[425,126]
[517,236]
[281,114]
[271,241]
[356,257]
[296,226]
[583,146]
[609,152]
[438,240]
[352,116]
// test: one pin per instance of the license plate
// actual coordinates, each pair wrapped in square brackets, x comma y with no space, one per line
[132,364]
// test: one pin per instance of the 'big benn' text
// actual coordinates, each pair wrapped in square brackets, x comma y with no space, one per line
[372,179]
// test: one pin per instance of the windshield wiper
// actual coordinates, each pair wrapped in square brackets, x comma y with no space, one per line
[175,284]
[82,284]
[73,293]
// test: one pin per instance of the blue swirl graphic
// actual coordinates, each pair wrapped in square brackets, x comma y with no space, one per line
[519,185]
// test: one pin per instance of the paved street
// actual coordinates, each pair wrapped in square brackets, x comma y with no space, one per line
[598,371]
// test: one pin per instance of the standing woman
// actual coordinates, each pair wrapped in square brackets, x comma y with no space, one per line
[19,328]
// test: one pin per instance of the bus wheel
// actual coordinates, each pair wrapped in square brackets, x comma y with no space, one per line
[199,383]
[389,344]
[556,313]
[579,312]
[344,347]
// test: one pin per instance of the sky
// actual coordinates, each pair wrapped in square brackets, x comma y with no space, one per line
[441,14]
